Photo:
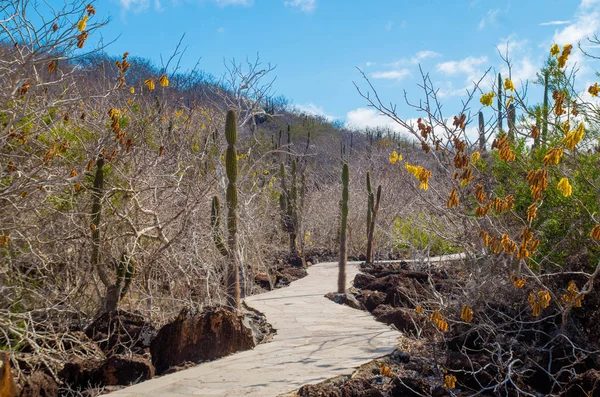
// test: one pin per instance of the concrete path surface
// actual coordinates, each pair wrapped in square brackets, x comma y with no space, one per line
[316,339]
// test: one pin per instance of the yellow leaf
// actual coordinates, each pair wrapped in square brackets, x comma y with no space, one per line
[486,99]
[449,381]
[467,314]
[82,24]
[385,371]
[149,83]
[565,187]
[163,81]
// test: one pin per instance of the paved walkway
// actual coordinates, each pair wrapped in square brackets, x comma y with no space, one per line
[316,340]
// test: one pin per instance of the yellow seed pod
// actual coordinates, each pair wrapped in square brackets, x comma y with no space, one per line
[149,83]
[595,233]
[466,314]
[163,81]
[453,199]
[385,371]
[82,23]
[544,298]
[449,382]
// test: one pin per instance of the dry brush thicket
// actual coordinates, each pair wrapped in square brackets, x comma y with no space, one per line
[108,168]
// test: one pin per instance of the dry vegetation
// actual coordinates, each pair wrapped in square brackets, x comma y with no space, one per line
[108,167]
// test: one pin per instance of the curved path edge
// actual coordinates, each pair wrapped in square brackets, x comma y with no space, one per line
[316,339]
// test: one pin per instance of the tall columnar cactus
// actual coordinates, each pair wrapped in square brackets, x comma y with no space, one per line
[369,196]
[289,142]
[373,208]
[500,102]
[231,166]
[307,144]
[290,203]
[481,133]
[343,227]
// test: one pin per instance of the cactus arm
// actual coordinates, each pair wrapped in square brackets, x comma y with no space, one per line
[215,221]
[343,231]
[231,164]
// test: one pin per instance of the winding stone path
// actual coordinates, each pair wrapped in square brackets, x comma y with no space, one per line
[316,339]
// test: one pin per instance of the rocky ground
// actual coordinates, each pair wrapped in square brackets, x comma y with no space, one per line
[467,359]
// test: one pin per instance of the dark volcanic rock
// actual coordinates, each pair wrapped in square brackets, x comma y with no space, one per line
[265,281]
[360,388]
[123,370]
[345,299]
[81,374]
[398,296]
[372,299]
[410,387]
[199,336]
[285,275]
[262,330]
[115,370]
[361,280]
[40,384]
[403,319]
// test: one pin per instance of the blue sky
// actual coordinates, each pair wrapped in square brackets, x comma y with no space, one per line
[317,44]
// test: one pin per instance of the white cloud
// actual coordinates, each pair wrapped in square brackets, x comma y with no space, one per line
[467,65]
[415,59]
[523,70]
[313,110]
[391,74]
[512,45]
[422,55]
[583,27]
[367,117]
[369,63]
[306,6]
[448,90]
[389,25]
[585,4]
[489,19]
[221,29]
[399,69]
[551,23]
